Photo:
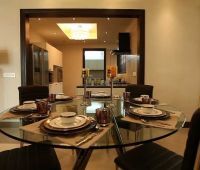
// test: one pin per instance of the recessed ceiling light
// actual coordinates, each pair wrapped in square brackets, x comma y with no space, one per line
[79,31]
[39,19]
[73,19]
[108,19]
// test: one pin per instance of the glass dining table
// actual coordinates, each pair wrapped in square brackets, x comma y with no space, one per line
[122,131]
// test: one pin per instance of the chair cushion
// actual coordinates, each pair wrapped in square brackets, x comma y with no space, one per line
[149,156]
[32,157]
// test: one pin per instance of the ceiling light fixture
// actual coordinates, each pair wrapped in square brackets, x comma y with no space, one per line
[79,31]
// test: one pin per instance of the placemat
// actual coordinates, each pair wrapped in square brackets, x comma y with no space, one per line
[66,140]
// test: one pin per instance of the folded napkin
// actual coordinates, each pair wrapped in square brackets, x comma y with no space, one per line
[68,139]
[169,123]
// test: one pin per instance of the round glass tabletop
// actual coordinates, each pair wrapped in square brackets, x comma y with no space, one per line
[123,130]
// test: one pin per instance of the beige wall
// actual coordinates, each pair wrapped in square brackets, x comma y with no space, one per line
[55,56]
[172,46]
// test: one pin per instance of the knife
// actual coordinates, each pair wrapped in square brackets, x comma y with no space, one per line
[88,137]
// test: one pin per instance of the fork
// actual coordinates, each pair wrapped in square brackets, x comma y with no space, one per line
[148,121]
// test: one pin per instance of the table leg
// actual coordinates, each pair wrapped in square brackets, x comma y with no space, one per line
[117,135]
[83,156]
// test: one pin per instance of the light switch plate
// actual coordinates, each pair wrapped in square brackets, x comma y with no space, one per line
[10,75]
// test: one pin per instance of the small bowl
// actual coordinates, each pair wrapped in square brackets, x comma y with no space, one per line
[68,117]
[148,110]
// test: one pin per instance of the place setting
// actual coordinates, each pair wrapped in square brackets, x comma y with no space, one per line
[70,128]
[144,101]
[26,107]
[100,94]
[29,111]
[68,123]
[151,116]
[62,97]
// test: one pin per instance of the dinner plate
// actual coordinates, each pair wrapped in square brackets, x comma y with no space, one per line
[53,128]
[144,105]
[100,95]
[63,98]
[27,107]
[143,112]
[138,100]
[58,122]
[90,124]
[19,110]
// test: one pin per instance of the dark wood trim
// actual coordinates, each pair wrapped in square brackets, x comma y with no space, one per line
[25,14]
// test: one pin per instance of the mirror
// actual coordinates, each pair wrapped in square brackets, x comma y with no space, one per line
[27,14]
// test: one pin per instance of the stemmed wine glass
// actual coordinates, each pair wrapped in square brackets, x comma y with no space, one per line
[111,73]
[85,75]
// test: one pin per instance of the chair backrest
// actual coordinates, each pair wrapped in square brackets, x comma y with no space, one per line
[137,90]
[32,92]
[192,142]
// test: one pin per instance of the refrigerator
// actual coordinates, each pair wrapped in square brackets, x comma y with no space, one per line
[39,66]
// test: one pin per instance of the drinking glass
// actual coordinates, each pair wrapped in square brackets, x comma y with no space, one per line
[103,116]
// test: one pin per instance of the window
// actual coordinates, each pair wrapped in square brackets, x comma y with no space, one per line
[95,61]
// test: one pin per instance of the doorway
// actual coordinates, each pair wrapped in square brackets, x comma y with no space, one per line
[26,14]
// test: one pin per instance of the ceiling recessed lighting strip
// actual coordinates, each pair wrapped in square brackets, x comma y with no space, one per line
[79,31]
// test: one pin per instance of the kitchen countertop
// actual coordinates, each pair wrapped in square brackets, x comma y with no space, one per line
[104,86]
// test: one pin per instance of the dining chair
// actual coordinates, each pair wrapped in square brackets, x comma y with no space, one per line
[138,89]
[32,157]
[32,92]
[152,156]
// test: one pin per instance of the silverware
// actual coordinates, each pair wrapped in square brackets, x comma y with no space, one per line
[88,137]
[156,121]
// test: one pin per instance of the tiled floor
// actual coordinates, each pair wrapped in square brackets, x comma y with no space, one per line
[103,159]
